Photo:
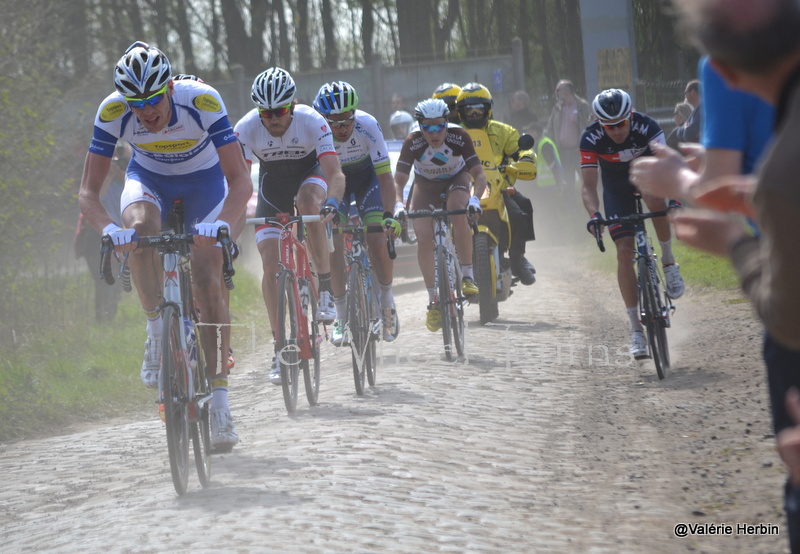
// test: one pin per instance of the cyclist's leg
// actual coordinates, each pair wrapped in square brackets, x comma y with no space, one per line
[425,194]
[457,199]
[674,285]
[141,210]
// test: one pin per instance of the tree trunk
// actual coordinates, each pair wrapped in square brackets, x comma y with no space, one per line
[303,39]
[235,35]
[367,29]
[331,56]
[185,36]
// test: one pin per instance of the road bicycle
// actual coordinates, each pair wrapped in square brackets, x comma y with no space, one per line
[297,333]
[364,324]
[184,390]
[655,303]
[449,300]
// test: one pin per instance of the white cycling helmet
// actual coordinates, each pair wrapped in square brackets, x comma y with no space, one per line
[335,98]
[400,123]
[273,88]
[141,70]
[431,108]
[612,105]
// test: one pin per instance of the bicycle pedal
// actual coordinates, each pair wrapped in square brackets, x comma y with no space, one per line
[221,449]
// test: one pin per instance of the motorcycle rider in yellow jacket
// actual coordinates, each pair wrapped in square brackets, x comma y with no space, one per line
[474,105]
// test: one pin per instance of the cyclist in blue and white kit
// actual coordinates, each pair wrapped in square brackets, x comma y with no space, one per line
[364,156]
[183,147]
[294,147]
[618,136]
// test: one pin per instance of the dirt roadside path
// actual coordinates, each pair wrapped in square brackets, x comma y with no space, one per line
[529,445]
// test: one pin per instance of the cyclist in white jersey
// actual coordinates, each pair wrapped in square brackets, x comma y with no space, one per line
[183,148]
[294,147]
[364,156]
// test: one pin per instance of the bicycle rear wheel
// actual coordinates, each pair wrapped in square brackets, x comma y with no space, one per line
[446,298]
[200,417]
[286,340]
[654,318]
[311,367]
[357,325]
[174,388]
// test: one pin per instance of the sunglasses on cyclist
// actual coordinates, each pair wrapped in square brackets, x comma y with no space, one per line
[339,123]
[619,125]
[433,128]
[277,112]
[152,100]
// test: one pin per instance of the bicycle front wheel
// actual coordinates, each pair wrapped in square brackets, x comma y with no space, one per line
[286,340]
[654,318]
[174,386]
[457,306]
[375,321]
[200,416]
[311,366]
[446,299]
[357,325]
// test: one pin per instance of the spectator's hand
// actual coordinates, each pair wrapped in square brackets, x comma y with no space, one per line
[124,240]
[731,193]
[706,230]
[664,175]
[206,233]
[329,209]
[788,440]
[694,154]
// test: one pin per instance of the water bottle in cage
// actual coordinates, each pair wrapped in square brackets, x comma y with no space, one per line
[191,342]
[304,295]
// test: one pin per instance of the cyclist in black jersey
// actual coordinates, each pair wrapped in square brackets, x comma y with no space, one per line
[618,136]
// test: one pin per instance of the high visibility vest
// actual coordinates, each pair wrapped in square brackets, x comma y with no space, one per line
[545,177]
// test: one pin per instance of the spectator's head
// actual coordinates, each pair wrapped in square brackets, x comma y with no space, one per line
[519,101]
[474,105]
[565,90]
[692,93]
[613,109]
[751,37]
[400,122]
[682,112]
[273,93]
[398,102]
[536,129]
[449,93]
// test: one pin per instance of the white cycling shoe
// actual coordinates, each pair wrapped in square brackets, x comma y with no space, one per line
[326,309]
[674,284]
[638,347]
[275,371]
[223,434]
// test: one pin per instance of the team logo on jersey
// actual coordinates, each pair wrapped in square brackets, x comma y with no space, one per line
[439,159]
[112,111]
[168,147]
[207,103]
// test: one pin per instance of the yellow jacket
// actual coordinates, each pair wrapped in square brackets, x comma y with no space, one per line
[503,138]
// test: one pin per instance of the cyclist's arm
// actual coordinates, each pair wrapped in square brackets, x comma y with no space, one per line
[591,200]
[400,180]
[236,171]
[333,172]
[95,171]
[479,178]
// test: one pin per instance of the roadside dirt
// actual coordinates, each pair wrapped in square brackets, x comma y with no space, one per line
[536,442]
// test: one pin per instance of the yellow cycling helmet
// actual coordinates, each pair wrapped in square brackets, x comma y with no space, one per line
[474,95]
[447,92]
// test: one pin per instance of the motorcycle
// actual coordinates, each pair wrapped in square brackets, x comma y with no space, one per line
[492,236]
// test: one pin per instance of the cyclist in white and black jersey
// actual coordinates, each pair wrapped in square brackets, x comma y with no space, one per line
[444,161]
[294,147]
[362,151]
[183,148]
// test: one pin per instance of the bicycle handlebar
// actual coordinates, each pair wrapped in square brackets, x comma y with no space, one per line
[163,242]
[598,221]
[279,220]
